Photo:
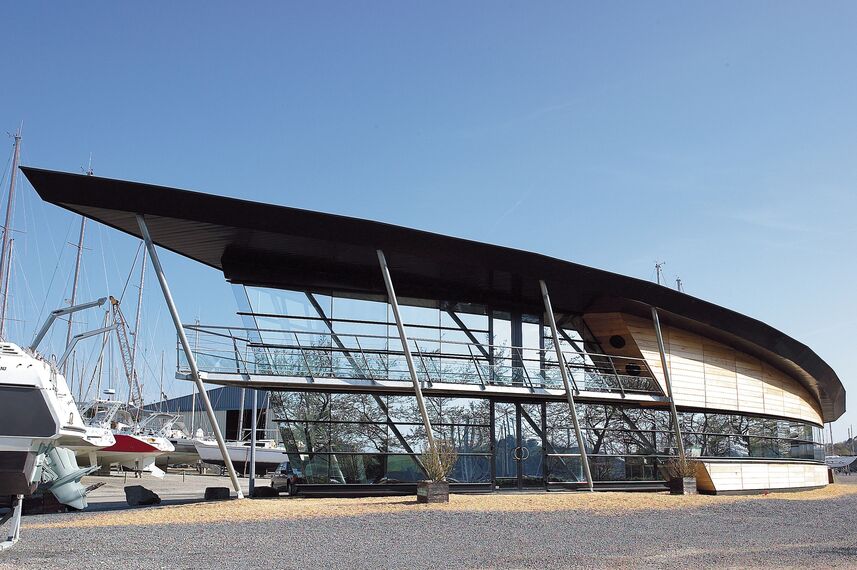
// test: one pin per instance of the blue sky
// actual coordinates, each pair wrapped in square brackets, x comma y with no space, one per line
[718,137]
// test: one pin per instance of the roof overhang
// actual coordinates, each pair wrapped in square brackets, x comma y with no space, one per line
[288,248]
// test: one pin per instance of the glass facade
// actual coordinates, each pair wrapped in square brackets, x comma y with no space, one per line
[347,438]
[378,439]
[374,439]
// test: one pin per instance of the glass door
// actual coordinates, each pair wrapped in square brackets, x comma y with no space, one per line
[518,445]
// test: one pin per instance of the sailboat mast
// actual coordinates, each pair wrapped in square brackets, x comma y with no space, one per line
[7,230]
[193,386]
[76,279]
[161,386]
[74,283]
[139,311]
[7,274]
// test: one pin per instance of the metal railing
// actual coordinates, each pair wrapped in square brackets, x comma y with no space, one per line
[376,357]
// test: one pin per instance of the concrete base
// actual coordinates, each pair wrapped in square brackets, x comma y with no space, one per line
[217,494]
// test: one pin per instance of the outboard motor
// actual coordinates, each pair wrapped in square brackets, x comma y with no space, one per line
[63,477]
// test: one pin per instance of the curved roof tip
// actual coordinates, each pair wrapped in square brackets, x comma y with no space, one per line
[277,246]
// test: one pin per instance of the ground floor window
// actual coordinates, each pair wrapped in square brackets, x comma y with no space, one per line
[345,438]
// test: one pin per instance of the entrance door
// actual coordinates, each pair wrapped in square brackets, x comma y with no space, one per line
[518,445]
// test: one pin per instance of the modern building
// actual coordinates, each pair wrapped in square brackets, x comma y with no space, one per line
[374,340]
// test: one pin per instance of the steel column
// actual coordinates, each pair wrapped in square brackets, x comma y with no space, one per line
[394,303]
[668,382]
[191,359]
[254,405]
[566,384]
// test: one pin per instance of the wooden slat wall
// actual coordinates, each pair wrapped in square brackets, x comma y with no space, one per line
[746,476]
[708,374]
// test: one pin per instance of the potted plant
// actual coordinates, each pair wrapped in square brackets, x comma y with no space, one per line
[438,462]
[682,476]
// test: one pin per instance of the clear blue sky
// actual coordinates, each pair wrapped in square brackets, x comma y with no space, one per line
[720,137]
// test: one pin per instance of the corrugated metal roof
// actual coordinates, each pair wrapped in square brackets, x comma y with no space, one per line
[227,398]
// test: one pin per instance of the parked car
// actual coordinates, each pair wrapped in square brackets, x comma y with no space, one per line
[286,478]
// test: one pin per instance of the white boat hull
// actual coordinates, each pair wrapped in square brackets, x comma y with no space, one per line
[267,459]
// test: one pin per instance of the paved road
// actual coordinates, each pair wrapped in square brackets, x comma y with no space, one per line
[173,488]
[771,533]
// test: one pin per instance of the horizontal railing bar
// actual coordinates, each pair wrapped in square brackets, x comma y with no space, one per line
[356,321]
[203,329]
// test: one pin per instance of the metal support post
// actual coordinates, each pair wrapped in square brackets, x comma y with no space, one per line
[394,303]
[15,525]
[668,382]
[254,404]
[191,359]
[581,444]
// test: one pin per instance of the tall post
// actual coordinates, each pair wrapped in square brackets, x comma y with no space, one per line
[74,283]
[241,414]
[418,391]
[254,403]
[560,358]
[191,359]
[161,387]
[668,381]
[241,393]
[7,230]
[6,278]
[139,311]
[193,388]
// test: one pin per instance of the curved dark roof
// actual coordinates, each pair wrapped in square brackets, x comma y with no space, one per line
[276,246]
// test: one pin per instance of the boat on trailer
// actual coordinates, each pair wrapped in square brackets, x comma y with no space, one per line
[134,449]
[38,419]
[267,457]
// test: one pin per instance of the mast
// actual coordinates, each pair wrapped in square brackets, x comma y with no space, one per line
[6,276]
[161,386]
[7,230]
[193,387]
[139,311]
[76,280]
[74,283]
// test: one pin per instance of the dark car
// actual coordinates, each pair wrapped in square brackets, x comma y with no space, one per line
[286,478]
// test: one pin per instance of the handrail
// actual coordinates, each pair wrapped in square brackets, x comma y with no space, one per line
[206,328]
[531,367]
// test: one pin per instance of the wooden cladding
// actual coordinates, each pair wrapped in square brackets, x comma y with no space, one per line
[706,373]
[718,477]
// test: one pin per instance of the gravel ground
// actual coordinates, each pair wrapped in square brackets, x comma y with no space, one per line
[535,531]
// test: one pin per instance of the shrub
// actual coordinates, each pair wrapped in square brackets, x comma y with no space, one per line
[678,468]
[439,460]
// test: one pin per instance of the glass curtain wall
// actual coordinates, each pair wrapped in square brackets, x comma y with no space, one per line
[379,439]
[371,439]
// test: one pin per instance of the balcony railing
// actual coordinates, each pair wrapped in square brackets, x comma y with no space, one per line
[375,357]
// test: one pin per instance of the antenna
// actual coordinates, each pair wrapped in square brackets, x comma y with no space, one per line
[678,285]
[658,270]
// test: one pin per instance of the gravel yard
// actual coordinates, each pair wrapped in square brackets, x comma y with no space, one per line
[547,530]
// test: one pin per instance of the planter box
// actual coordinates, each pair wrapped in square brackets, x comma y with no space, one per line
[683,486]
[432,492]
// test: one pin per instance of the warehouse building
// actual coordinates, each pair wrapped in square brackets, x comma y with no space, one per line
[228,403]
